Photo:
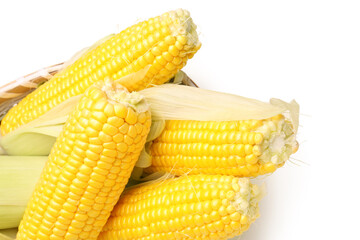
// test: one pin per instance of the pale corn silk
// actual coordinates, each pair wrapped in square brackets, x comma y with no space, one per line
[176,102]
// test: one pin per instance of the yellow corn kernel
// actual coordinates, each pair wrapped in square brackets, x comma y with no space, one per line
[245,148]
[76,192]
[122,54]
[149,212]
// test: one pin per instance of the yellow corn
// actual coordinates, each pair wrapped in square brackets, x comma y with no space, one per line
[89,165]
[240,148]
[190,207]
[163,43]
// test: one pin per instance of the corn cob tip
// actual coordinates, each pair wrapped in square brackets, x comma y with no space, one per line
[247,198]
[117,93]
[279,142]
[182,26]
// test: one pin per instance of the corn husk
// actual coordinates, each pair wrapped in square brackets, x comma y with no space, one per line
[18,176]
[37,137]
[8,234]
[31,142]
[176,102]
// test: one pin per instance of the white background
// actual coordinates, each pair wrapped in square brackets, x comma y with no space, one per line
[305,50]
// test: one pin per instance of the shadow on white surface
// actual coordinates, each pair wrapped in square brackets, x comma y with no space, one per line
[284,207]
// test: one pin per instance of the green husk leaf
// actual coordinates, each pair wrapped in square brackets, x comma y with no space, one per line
[32,141]
[10,216]
[8,234]
[37,137]
[18,177]
[138,177]
[144,160]
[179,77]
[155,130]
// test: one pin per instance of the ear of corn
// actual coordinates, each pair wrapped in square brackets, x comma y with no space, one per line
[18,176]
[189,207]
[88,166]
[216,133]
[163,44]
[245,148]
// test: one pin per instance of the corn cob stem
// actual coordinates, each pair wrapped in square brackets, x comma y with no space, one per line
[88,166]
[189,207]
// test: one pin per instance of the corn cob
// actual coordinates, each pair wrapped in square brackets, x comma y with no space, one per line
[189,207]
[246,148]
[88,166]
[164,44]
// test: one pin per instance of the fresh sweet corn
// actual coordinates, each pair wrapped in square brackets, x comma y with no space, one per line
[164,44]
[88,166]
[190,207]
[245,148]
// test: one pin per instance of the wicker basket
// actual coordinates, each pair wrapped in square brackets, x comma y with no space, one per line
[14,91]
